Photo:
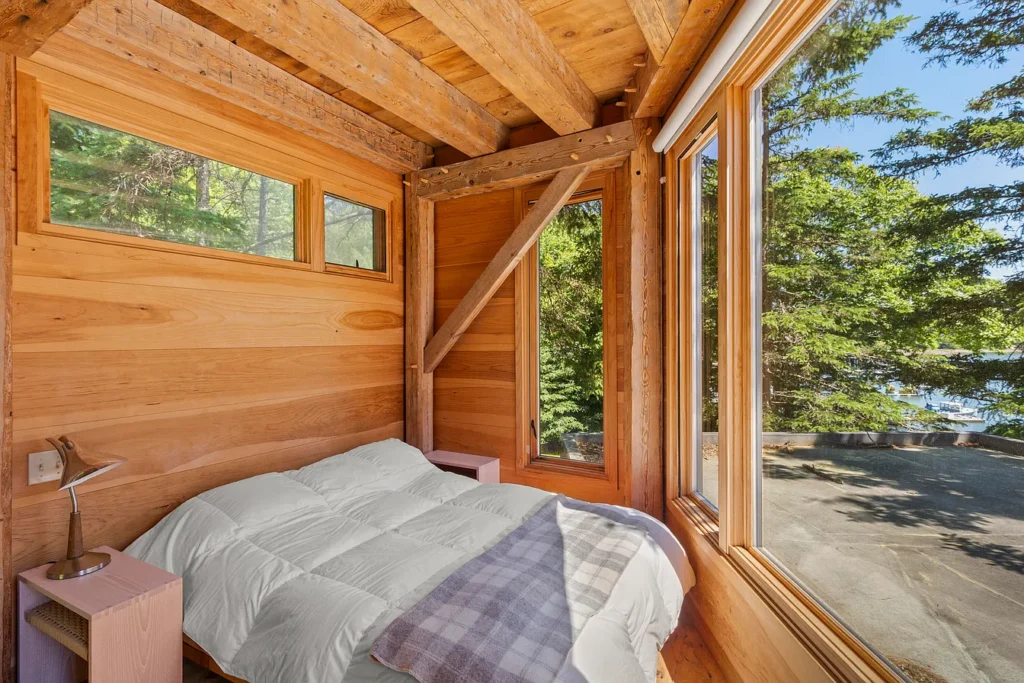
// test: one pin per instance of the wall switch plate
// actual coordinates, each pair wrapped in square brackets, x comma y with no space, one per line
[44,466]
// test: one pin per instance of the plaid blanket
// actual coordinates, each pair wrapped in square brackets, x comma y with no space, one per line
[513,612]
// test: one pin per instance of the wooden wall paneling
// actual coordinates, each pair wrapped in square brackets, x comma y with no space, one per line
[643,347]
[419,319]
[503,263]
[8,230]
[197,369]
[474,413]
[26,24]
[599,148]
[748,638]
[146,33]
[501,36]
[117,515]
[373,66]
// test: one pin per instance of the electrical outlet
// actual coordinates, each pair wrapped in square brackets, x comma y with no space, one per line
[44,466]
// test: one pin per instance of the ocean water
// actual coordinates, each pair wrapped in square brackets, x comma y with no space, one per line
[938,397]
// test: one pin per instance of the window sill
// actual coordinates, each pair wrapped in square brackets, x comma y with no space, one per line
[349,271]
[579,469]
[828,642]
[88,235]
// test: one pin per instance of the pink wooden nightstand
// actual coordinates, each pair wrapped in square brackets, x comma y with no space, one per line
[124,620]
[484,470]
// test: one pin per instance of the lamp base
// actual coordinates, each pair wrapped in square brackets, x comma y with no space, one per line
[79,566]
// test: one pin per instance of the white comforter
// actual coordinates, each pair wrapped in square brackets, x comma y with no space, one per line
[289,578]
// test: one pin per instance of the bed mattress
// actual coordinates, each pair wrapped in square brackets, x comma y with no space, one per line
[290,577]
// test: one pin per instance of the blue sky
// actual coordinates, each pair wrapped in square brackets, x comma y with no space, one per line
[943,89]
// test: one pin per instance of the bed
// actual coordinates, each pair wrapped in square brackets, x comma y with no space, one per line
[291,577]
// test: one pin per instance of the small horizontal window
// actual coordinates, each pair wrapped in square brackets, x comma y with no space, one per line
[354,235]
[107,180]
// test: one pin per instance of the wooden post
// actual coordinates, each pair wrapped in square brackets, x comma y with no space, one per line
[643,355]
[419,317]
[7,233]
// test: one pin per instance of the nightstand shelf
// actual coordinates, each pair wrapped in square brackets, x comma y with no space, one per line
[121,624]
[483,469]
[62,625]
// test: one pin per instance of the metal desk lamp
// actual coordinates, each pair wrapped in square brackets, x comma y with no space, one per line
[76,471]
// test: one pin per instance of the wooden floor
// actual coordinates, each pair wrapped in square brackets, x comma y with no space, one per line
[684,659]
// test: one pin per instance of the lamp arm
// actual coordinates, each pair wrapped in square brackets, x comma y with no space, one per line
[74,500]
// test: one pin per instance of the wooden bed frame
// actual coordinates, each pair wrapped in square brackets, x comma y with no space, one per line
[198,655]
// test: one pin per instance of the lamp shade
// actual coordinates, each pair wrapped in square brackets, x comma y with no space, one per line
[78,469]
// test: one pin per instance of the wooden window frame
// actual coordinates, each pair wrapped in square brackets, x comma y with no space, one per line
[683,290]
[733,532]
[383,230]
[566,475]
[40,90]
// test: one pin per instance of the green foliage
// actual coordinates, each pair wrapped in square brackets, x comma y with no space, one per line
[864,277]
[571,325]
[112,181]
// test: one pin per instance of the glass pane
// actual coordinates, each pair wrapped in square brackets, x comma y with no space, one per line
[353,234]
[107,180]
[706,176]
[571,335]
[892,326]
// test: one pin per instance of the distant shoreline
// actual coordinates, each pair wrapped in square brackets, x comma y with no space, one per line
[957,352]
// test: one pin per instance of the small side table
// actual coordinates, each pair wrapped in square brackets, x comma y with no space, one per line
[485,470]
[123,620]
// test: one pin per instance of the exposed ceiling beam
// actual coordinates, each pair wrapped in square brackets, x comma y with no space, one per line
[598,148]
[656,84]
[152,36]
[330,38]
[659,20]
[503,263]
[26,24]
[503,37]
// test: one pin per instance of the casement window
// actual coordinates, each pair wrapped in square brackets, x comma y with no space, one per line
[112,181]
[124,172]
[355,235]
[567,332]
[843,323]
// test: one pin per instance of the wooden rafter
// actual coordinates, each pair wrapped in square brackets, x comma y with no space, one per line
[152,36]
[656,83]
[597,148]
[659,20]
[333,40]
[26,24]
[503,37]
[503,263]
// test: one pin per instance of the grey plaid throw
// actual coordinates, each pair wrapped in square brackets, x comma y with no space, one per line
[513,612]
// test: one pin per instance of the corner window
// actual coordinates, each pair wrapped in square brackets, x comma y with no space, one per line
[115,182]
[354,235]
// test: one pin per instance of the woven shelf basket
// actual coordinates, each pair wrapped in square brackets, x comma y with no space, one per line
[67,628]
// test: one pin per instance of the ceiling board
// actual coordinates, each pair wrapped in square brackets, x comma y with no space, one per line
[600,39]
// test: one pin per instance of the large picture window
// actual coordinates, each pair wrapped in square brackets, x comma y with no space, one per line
[892,391]
[107,180]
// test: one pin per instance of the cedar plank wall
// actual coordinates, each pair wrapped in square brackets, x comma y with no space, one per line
[475,384]
[199,371]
